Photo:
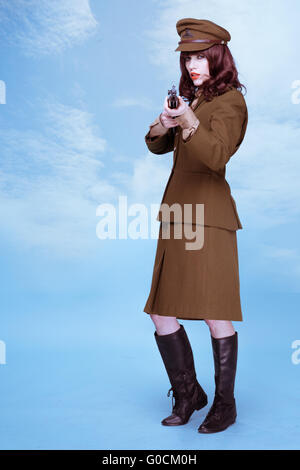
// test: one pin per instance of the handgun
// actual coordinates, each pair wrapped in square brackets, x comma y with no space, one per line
[173,101]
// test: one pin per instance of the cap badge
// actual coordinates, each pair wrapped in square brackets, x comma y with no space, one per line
[187,33]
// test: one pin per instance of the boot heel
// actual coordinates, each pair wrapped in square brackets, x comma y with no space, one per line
[202,398]
[201,404]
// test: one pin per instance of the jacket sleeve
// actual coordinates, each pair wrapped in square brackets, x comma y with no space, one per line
[216,145]
[189,122]
[159,140]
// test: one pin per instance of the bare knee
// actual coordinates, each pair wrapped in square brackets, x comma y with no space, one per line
[220,328]
[164,324]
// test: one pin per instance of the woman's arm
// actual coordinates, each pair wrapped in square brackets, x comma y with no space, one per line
[189,123]
[159,139]
[157,128]
[228,122]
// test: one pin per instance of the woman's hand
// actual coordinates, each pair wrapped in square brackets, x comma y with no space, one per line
[182,107]
[167,117]
[167,121]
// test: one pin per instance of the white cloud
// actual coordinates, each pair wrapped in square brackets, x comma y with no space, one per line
[149,176]
[51,182]
[41,27]
[280,253]
[144,103]
[263,174]
[280,263]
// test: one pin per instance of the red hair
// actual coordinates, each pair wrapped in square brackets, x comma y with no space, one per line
[222,70]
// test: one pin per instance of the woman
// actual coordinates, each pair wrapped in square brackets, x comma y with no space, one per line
[199,284]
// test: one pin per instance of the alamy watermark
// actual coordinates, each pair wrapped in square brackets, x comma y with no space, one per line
[296,354]
[139,226]
[2,92]
[2,352]
[295,98]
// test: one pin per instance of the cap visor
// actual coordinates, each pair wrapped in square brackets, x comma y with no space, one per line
[193,47]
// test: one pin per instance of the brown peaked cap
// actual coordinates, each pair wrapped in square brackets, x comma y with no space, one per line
[197,35]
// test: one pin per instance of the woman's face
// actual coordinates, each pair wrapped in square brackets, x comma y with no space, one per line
[197,66]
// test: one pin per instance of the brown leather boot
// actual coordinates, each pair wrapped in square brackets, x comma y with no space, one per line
[177,355]
[223,410]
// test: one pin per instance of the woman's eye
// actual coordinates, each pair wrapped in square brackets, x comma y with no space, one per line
[200,56]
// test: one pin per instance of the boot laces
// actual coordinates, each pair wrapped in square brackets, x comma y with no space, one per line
[183,375]
[171,390]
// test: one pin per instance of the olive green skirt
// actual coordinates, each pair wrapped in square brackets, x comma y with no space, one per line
[196,284]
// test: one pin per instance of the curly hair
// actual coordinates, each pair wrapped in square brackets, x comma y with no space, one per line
[222,69]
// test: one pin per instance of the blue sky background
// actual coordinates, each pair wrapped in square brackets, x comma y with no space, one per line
[84,79]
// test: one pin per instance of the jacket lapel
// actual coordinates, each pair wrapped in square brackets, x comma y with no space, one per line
[196,102]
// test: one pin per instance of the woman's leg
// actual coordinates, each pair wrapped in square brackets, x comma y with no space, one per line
[220,328]
[225,347]
[177,355]
[165,325]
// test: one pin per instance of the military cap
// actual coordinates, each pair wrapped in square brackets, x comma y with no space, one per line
[198,35]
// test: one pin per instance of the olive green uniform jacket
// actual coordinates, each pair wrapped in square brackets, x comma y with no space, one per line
[209,134]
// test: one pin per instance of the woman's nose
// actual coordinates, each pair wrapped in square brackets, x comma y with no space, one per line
[192,64]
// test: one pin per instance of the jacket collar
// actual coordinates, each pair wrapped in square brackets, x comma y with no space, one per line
[199,98]
[198,92]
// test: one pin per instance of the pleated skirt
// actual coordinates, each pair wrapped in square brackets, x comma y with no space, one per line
[196,284]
